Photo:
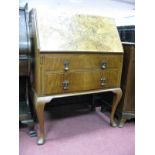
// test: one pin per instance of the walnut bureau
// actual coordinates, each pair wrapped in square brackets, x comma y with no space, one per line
[73,55]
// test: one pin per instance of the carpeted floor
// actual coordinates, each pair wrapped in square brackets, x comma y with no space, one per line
[80,133]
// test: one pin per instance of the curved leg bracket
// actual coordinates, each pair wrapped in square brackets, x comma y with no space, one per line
[116,100]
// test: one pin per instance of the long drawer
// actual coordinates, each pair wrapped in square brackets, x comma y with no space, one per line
[69,62]
[55,83]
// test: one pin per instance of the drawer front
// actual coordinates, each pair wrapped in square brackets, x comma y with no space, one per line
[83,81]
[53,83]
[80,81]
[69,62]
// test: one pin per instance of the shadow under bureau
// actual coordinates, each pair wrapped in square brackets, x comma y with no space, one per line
[73,55]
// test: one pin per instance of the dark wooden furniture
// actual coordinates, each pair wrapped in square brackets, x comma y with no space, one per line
[127,33]
[73,55]
[25,109]
[126,108]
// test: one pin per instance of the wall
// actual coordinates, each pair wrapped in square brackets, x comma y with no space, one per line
[122,10]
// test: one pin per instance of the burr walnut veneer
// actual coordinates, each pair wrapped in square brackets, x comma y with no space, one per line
[73,55]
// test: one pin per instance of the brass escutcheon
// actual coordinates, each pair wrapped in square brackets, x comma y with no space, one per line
[66,65]
[65,84]
[103,65]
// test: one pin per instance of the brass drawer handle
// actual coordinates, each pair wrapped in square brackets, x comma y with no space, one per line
[103,65]
[103,81]
[66,65]
[65,84]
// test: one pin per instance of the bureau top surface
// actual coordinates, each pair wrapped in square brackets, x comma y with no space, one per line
[63,32]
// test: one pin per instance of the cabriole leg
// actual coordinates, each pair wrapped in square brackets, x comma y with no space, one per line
[116,100]
[40,115]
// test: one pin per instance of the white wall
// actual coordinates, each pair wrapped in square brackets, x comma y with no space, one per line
[122,10]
